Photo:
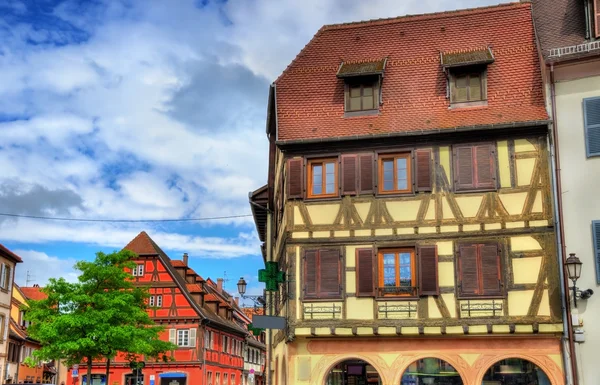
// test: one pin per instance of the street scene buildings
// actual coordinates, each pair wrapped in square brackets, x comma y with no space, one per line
[428,218]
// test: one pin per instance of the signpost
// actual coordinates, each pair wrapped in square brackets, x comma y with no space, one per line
[75,373]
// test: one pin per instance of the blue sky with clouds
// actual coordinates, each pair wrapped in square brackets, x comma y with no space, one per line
[143,109]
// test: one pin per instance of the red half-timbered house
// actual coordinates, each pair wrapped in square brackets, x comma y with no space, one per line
[210,343]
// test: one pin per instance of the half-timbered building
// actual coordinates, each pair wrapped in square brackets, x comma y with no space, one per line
[409,202]
[209,341]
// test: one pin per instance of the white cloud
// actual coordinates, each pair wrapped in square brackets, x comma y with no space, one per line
[154,109]
[38,267]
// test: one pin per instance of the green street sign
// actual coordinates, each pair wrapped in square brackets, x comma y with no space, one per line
[255,331]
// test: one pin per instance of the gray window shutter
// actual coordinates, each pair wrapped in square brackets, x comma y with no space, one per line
[172,336]
[596,237]
[192,337]
[591,118]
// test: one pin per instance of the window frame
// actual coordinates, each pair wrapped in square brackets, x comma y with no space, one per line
[382,157]
[309,176]
[151,301]
[188,338]
[587,126]
[468,71]
[159,300]
[414,276]
[372,82]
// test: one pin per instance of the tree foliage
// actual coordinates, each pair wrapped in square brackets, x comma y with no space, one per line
[96,318]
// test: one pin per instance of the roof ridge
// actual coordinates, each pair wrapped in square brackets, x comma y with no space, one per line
[427,16]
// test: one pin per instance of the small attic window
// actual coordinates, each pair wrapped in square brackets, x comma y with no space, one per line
[467,76]
[362,89]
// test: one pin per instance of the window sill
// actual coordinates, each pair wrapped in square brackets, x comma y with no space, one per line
[480,297]
[332,299]
[384,194]
[354,114]
[494,189]
[323,198]
[468,105]
[396,299]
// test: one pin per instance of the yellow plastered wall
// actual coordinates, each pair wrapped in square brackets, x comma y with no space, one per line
[445,160]
[526,270]
[405,210]
[359,308]
[363,209]
[518,302]
[469,205]
[14,309]
[503,163]
[524,169]
[523,145]
[526,243]
[446,274]
[323,214]
[513,202]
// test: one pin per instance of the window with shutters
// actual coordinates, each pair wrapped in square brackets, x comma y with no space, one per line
[479,271]
[397,273]
[596,238]
[467,85]
[357,173]
[475,167]
[184,337]
[322,274]
[365,273]
[5,277]
[138,270]
[322,178]
[591,118]
[151,301]
[395,176]
[362,94]
[159,301]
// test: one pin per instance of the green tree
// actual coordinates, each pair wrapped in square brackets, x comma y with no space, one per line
[96,318]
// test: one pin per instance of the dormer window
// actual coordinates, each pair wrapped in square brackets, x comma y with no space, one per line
[467,76]
[362,85]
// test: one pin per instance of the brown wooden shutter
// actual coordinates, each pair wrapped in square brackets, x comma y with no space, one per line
[329,282]
[464,175]
[428,270]
[423,180]
[469,279]
[365,180]
[295,178]
[310,273]
[490,270]
[365,273]
[485,160]
[349,174]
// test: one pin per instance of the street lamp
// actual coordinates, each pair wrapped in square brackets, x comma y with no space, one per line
[573,265]
[257,299]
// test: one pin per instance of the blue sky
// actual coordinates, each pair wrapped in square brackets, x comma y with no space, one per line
[142,109]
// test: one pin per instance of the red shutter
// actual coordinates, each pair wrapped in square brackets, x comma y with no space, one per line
[423,180]
[349,174]
[329,281]
[365,273]
[469,279]
[490,269]
[365,181]
[310,273]
[428,270]
[463,168]
[597,17]
[295,178]
[485,160]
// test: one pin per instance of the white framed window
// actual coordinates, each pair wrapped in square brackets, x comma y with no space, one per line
[183,337]
[159,301]
[140,269]
[4,273]
[151,301]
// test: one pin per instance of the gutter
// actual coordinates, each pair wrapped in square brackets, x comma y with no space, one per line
[424,132]
[571,364]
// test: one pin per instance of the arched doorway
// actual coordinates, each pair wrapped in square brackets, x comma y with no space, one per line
[353,372]
[430,371]
[515,371]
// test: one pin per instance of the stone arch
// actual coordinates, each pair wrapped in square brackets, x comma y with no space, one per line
[453,360]
[547,365]
[328,362]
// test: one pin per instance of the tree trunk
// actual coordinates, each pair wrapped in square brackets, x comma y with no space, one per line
[107,370]
[89,371]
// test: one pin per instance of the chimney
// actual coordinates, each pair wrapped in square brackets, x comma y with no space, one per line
[185,259]
[220,284]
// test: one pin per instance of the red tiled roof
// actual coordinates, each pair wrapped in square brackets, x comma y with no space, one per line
[194,288]
[142,244]
[33,293]
[310,98]
[9,254]
[249,311]
[177,263]
[211,298]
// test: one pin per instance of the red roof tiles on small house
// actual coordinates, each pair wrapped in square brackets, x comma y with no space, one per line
[310,97]
[177,263]
[33,292]
[194,288]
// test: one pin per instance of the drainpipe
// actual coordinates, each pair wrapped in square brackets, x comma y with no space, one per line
[568,354]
